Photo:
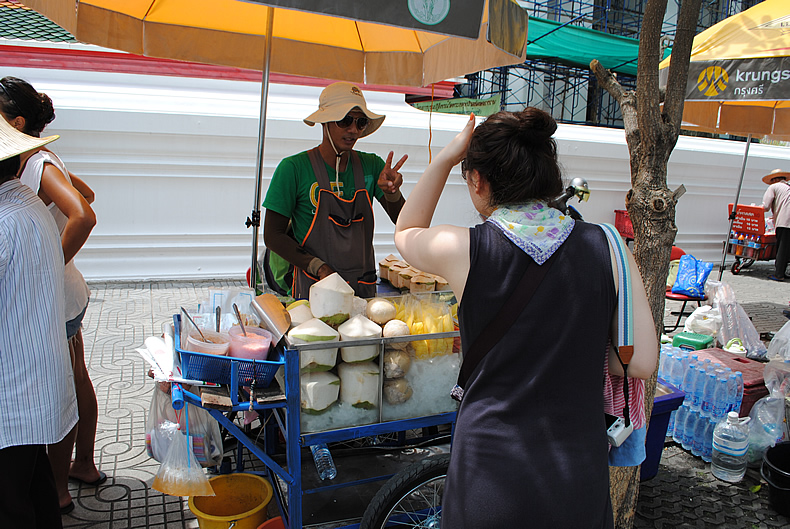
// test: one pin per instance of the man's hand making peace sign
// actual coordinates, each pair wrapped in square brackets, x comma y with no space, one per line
[390,179]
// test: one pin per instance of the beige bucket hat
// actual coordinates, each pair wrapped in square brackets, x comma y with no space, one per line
[337,100]
[13,142]
[775,173]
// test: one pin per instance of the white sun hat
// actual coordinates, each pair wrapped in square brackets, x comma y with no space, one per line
[337,100]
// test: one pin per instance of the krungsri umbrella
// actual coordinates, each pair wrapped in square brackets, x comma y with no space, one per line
[739,79]
[404,43]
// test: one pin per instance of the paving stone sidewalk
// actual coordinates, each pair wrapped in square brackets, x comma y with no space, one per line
[122,315]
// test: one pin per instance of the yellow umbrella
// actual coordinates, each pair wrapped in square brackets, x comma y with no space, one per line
[404,43]
[739,80]
[739,74]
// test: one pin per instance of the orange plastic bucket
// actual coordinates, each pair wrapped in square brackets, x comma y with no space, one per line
[239,498]
[274,523]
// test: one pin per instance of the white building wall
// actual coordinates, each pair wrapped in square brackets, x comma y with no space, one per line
[172,161]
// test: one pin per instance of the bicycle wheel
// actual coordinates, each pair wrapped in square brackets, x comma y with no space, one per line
[411,498]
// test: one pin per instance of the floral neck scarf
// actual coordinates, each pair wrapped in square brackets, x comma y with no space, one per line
[534,227]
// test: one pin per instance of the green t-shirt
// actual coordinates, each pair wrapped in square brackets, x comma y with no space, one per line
[293,191]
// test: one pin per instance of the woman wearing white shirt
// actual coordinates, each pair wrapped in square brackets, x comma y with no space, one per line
[68,199]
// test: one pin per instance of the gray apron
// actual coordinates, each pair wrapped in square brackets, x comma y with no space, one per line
[341,234]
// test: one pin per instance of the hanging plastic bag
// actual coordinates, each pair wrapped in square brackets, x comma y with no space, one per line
[692,274]
[735,323]
[180,474]
[203,429]
[704,320]
[780,344]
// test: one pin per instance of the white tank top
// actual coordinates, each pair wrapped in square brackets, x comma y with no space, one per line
[76,289]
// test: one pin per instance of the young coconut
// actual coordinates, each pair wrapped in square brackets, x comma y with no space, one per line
[311,331]
[396,363]
[359,384]
[397,391]
[395,328]
[318,391]
[300,314]
[381,310]
[331,299]
[358,328]
[358,306]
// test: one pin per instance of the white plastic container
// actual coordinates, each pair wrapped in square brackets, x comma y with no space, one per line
[217,343]
[730,444]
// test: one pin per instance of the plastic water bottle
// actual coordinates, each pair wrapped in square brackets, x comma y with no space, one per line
[730,443]
[680,421]
[698,439]
[697,390]
[707,394]
[323,461]
[676,370]
[732,391]
[688,429]
[720,404]
[738,392]
[707,446]
[665,363]
[671,425]
[688,380]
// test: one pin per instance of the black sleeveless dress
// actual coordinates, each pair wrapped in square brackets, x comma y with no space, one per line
[530,448]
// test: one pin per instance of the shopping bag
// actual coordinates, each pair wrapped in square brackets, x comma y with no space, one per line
[692,274]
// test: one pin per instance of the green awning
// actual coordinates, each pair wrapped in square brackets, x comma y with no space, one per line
[577,46]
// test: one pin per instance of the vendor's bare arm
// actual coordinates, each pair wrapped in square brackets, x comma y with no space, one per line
[276,238]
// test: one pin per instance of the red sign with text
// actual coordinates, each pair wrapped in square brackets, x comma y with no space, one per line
[749,219]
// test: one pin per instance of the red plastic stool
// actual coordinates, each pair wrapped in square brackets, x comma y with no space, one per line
[685,299]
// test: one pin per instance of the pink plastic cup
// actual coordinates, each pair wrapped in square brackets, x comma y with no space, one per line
[254,346]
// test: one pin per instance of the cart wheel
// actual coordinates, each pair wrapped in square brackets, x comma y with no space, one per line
[747,263]
[411,498]
[736,267]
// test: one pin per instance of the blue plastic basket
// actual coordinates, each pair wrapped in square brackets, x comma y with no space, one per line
[218,369]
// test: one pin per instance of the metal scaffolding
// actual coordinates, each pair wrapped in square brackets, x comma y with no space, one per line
[571,94]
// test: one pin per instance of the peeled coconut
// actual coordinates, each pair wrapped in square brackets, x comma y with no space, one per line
[381,310]
[395,328]
[397,391]
[396,363]
[300,314]
[318,391]
[357,328]
[312,331]
[359,384]
[331,299]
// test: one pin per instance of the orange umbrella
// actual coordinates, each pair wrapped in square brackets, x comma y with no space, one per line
[404,43]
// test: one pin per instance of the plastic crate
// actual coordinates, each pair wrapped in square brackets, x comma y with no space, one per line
[668,398]
[623,223]
[218,369]
[692,341]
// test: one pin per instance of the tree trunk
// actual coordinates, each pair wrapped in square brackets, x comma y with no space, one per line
[651,134]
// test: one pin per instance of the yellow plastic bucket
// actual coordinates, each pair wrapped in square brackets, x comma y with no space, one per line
[240,502]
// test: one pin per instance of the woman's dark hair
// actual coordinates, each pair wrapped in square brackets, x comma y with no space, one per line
[515,152]
[8,168]
[19,98]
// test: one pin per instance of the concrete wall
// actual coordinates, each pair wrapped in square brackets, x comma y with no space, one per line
[172,161]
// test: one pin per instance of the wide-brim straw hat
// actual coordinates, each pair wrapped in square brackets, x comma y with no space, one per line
[337,100]
[776,172]
[13,142]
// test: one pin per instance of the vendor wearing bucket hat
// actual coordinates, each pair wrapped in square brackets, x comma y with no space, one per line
[777,200]
[32,344]
[319,215]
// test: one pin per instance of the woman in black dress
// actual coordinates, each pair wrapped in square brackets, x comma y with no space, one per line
[530,447]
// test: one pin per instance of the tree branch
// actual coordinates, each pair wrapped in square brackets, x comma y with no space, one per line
[647,94]
[677,79]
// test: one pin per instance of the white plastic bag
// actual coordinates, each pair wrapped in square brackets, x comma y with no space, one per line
[766,427]
[704,320]
[735,323]
[162,421]
[780,344]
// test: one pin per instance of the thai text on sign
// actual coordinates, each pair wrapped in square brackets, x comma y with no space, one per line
[749,219]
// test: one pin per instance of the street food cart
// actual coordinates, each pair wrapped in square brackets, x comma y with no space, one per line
[276,397]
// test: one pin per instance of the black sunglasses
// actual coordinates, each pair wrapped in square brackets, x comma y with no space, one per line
[463,168]
[362,122]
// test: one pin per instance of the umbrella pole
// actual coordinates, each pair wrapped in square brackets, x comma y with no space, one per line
[735,206]
[255,221]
